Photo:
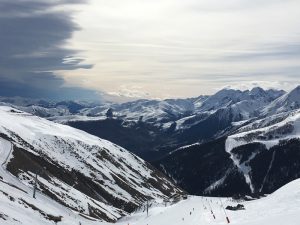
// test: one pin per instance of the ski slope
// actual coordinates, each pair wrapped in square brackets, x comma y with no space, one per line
[279,208]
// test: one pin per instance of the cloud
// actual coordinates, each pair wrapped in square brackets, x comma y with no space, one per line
[171,48]
[186,48]
[267,51]
[32,39]
[130,91]
[264,84]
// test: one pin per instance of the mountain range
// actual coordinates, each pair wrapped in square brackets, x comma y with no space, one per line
[232,142]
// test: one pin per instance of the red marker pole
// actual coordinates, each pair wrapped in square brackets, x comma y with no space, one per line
[227,218]
[211,210]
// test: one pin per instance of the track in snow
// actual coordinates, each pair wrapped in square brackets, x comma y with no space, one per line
[5,152]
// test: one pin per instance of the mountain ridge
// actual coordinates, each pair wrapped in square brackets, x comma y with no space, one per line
[83,172]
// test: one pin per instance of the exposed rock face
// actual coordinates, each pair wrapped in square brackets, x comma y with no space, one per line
[209,169]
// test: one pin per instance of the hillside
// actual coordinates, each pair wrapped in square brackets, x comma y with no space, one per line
[80,171]
[281,207]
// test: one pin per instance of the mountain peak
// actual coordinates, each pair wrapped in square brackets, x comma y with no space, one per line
[293,96]
[287,102]
[228,90]
[257,91]
[296,90]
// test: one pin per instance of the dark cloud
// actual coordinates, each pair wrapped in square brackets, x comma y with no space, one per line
[32,36]
[11,88]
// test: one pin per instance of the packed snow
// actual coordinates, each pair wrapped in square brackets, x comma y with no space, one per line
[281,207]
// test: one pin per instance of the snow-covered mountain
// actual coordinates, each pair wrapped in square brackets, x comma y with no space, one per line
[161,126]
[155,111]
[228,97]
[285,103]
[82,172]
[151,111]
[274,133]
[245,104]
[281,207]
[257,155]
[231,143]
[268,131]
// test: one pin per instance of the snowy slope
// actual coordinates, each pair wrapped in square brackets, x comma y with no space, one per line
[278,121]
[83,172]
[238,105]
[161,125]
[281,207]
[242,104]
[18,207]
[268,131]
[272,135]
[227,97]
[287,102]
[152,111]
[158,112]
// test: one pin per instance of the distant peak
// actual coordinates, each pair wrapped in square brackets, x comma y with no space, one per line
[295,93]
[297,88]
[228,90]
[257,90]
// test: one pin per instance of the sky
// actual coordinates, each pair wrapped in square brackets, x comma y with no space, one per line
[100,49]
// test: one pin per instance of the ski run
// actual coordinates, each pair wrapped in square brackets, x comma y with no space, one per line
[17,205]
[282,207]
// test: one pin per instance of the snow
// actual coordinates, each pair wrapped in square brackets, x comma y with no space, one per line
[74,118]
[16,212]
[184,148]
[72,149]
[13,194]
[281,207]
[243,167]
[264,127]
[285,103]
[268,131]
[5,154]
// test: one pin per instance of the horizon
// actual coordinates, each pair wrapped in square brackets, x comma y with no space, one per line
[128,100]
[98,50]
